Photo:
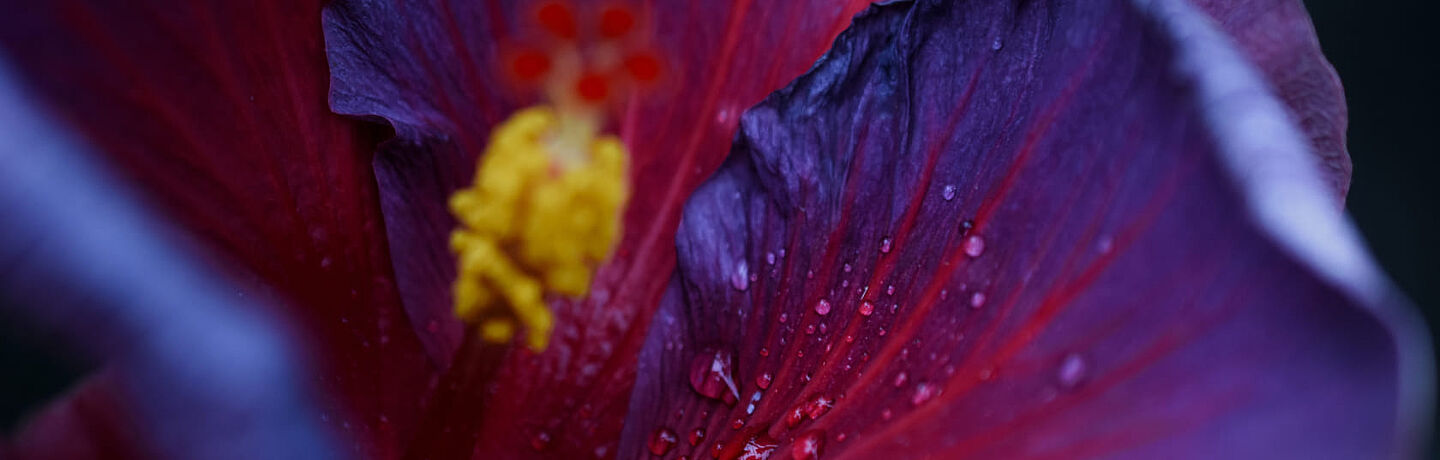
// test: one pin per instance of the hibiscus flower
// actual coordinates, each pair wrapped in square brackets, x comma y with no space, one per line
[969,230]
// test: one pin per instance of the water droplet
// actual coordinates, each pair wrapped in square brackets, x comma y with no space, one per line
[763,380]
[997,44]
[822,307]
[795,416]
[809,274]
[894,307]
[754,399]
[662,441]
[782,253]
[923,393]
[882,332]
[885,246]
[890,290]
[784,317]
[764,351]
[770,258]
[849,338]
[973,245]
[740,278]
[696,436]
[948,193]
[866,308]
[807,446]
[809,330]
[944,294]
[818,406]
[977,300]
[886,414]
[758,447]
[710,375]
[966,225]
[900,379]
[846,267]
[840,437]
[540,441]
[1072,370]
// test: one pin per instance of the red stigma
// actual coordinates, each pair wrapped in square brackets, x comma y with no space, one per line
[530,65]
[643,67]
[615,22]
[592,88]
[559,19]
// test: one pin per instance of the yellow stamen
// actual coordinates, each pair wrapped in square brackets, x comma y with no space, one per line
[543,212]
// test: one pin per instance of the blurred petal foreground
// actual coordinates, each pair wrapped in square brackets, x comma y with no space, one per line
[917,229]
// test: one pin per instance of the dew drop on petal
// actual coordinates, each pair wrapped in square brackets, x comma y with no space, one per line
[818,407]
[977,299]
[763,380]
[711,376]
[740,278]
[1072,370]
[754,400]
[890,290]
[807,446]
[900,379]
[973,245]
[737,424]
[866,308]
[662,440]
[795,416]
[822,307]
[948,193]
[764,351]
[886,414]
[770,258]
[997,44]
[885,246]
[784,317]
[540,441]
[696,436]
[923,393]
[758,447]
[846,267]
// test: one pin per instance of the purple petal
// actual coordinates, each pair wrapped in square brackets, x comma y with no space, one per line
[1029,230]
[1278,38]
[193,370]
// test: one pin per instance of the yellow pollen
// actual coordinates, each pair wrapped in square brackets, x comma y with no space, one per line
[544,211]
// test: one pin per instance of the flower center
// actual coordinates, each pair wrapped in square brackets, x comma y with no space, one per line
[544,210]
[536,222]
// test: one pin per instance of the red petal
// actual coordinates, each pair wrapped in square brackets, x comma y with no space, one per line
[417,66]
[218,109]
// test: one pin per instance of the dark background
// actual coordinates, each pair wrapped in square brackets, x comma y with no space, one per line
[1386,54]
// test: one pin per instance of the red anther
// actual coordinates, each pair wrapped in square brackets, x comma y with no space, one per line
[615,22]
[643,67]
[592,88]
[559,19]
[530,65]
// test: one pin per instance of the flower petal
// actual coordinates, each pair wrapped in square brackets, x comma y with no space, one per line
[428,67]
[1026,230]
[1277,36]
[191,369]
[219,110]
